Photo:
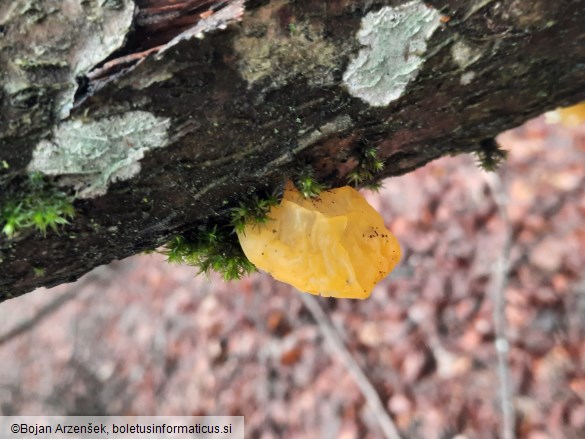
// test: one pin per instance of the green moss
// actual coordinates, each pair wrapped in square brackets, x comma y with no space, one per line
[218,248]
[368,166]
[212,249]
[38,205]
[490,155]
[252,211]
[374,186]
[307,185]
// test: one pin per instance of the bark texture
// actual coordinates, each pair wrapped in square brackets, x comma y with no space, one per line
[159,116]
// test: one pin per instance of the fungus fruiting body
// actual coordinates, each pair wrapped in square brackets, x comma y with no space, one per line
[570,116]
[335,245]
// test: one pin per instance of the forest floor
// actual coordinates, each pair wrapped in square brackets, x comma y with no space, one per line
[488,260]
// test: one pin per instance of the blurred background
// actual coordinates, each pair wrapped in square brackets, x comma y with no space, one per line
[481,327]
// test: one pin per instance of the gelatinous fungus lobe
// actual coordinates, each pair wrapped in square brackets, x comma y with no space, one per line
[335,245]
[572,116]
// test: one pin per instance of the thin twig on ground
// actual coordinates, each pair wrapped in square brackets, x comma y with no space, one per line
[335,343]
[498,290]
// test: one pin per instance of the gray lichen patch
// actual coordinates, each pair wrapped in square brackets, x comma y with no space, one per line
[395,42]
[106,36]
[90,156]
[46,44]
[283,52]
[467,77]
[464,54]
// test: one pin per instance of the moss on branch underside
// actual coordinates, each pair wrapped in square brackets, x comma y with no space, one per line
[237,100]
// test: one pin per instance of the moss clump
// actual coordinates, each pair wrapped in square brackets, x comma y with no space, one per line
[218,248]
[253,211]
[368,166]
[307,185]
[38,205]
[490,155]
[374,186]
[212,249]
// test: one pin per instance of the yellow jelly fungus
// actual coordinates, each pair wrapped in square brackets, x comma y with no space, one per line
[335,244]
[569,116]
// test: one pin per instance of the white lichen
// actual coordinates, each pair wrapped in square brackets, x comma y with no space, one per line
[464,54]
[92,155]
[395,41]
[467,77]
